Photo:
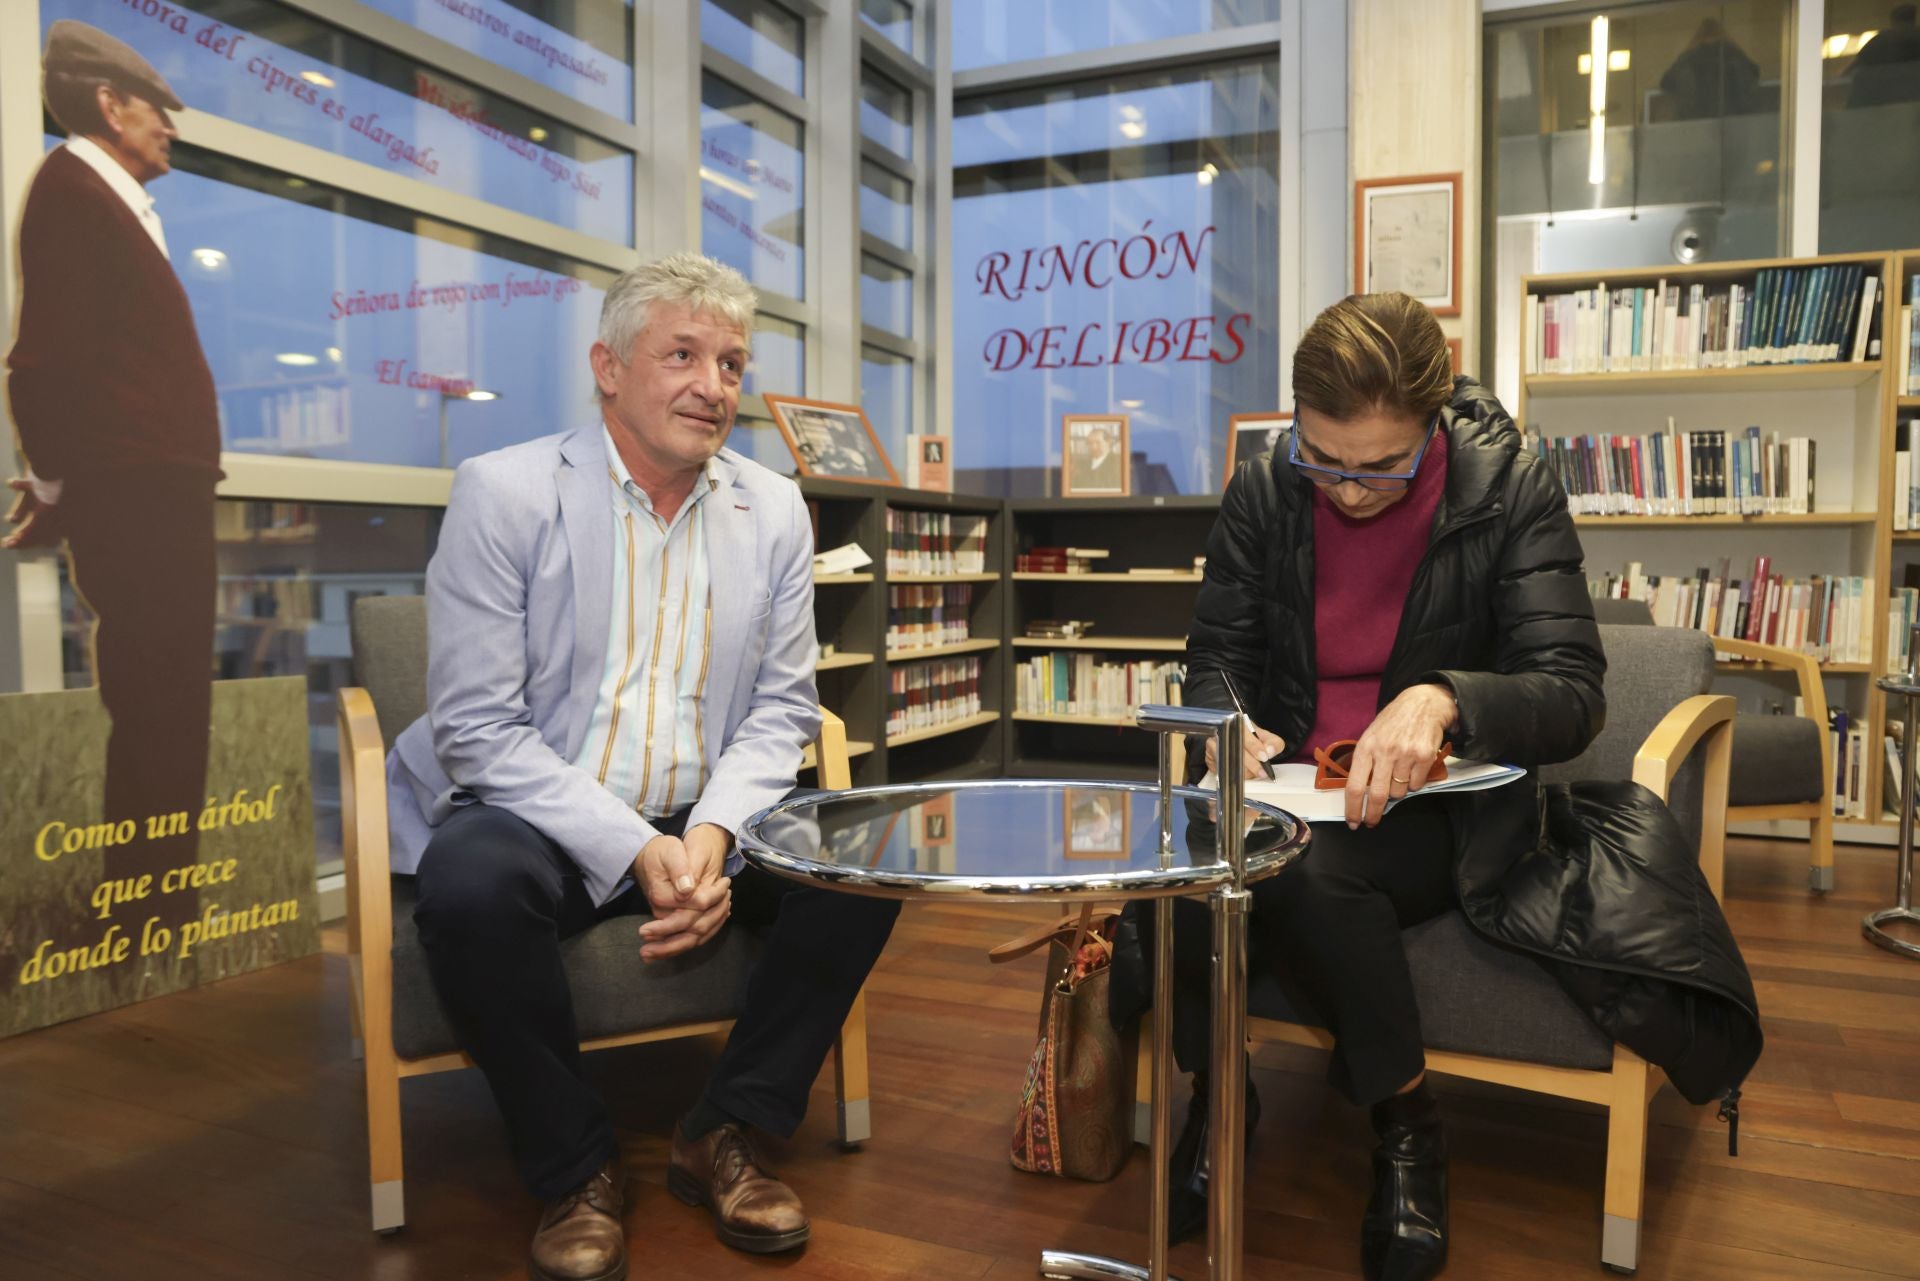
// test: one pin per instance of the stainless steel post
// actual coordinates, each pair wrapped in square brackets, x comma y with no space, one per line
[1226,1179]
[1224,1245]
[1873,925]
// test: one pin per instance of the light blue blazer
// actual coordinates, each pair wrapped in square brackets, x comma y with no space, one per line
[518,598]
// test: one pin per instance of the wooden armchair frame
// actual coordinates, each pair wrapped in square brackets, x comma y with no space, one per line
[363,796]
[1813,698]
[1625,1090]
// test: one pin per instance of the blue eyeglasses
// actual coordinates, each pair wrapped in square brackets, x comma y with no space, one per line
[1328,477]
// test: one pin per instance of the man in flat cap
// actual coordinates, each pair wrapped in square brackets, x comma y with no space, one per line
[115,409]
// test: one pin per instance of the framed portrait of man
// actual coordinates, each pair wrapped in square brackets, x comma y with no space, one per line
[835,441]
[1250,435]
[1097,823]
[1094,462]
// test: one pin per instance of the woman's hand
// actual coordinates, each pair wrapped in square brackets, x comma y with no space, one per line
[1257,747]
[1393,757]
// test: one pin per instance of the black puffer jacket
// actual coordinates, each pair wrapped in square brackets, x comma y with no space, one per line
[1499,612]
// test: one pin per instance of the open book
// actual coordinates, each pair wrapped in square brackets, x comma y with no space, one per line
[1291,788]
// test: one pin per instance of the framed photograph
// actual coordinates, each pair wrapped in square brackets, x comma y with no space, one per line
[1406,237]
[1094,462]
[835,441]
[1250,435]
[1097,822]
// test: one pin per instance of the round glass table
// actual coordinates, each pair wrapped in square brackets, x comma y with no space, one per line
[1060,841]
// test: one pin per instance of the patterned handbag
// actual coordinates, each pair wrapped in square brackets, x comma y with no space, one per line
[1075,1115]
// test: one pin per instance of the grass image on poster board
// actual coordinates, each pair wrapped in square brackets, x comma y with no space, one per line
[73,943]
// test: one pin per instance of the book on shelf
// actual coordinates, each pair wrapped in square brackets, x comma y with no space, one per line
[921,616]
[845,559]
[1894,786]
[1059,628]
[931,693]
[1682,473]
[1846,739]
[1082,684]
[1826,616]
[930,463]
[1909,339]
[920,542]
[1059,560]
[1784,315]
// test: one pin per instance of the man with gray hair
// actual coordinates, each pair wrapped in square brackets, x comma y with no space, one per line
[621,662]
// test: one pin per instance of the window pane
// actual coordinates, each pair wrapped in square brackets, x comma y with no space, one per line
[886,393]
[769,40]
[1870,115]
[317,84]
[892,19]
[1684,165]
[779,363]
[1116,250]
[359,346]
[582,48]
[289,574]
[752,171]
[886,113]
[886,296]
[886,205]
[999,31]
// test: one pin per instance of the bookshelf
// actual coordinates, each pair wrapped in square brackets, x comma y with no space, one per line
[851,614]
[1846,408]
[1137,618]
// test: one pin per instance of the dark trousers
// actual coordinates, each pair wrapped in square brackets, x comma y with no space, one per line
[496,898]
[1328,928]
[142,555]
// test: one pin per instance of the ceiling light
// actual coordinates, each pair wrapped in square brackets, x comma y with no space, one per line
[1619,59]
[1208,172]
[1133,129]
[315,78]
[210,259]
[333,354]
[299,359]
[1132,404]
[725,183]
[478,394]
[1131,112]
[537,134]
[1597,103]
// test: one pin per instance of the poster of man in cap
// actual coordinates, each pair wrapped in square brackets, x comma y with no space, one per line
[116,414]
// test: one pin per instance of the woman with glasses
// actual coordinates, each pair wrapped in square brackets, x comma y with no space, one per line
[1398,572]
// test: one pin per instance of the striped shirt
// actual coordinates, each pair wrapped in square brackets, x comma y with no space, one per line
[645,742]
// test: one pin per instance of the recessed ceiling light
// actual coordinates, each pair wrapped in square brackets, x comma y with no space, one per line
[297,358]
[1133,129]
[477,394]
[537,134]
[211,259]
[315,78]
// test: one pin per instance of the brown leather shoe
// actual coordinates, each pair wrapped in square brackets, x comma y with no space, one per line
[580,1237]
[752,1210]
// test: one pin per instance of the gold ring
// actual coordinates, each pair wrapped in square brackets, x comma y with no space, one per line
[1398,779]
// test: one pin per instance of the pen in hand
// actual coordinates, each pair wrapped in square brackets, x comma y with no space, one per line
[1266,767]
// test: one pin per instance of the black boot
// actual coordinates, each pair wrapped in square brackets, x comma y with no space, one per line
[1404,1234]
[1187,1206]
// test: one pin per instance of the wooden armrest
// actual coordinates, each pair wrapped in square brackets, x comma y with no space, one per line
[830,751]
[1813,691]
[363,826]
[1704,718]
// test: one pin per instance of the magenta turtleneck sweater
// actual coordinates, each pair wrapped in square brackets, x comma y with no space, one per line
[1362,572]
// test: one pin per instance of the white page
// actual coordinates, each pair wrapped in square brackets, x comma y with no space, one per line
[1291,788]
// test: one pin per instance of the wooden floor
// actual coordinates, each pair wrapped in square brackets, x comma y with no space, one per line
[218,1134]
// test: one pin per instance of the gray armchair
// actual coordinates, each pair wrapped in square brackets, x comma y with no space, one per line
[1782,765]
[1494,1015]
[398,1019]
